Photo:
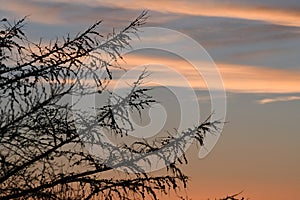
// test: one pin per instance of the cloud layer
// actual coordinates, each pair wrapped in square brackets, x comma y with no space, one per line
[254,45]
[236,78]
[287,16]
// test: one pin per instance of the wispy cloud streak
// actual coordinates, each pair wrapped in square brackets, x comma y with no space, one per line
[278,99]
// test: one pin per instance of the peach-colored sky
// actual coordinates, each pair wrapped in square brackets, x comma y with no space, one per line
[236,78]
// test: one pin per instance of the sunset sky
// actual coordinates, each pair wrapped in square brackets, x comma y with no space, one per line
[256,47]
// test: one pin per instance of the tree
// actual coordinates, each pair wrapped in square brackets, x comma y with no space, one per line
[42,156]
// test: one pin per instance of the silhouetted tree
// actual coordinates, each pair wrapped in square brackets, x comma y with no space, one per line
[42,156]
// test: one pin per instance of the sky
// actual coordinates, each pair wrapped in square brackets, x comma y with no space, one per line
[255,46]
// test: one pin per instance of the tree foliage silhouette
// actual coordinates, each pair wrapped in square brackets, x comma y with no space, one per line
[42,155]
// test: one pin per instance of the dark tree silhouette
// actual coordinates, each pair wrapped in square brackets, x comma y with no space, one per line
[42,156]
